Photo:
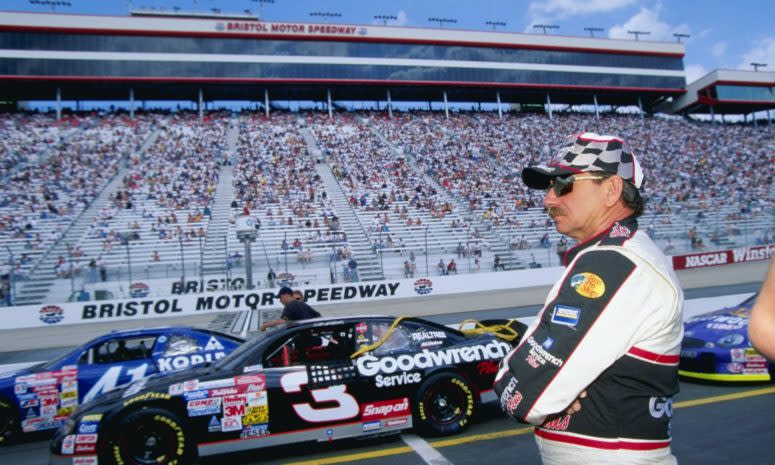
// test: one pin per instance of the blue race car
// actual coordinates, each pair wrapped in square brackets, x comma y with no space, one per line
[42,396]
[716,347]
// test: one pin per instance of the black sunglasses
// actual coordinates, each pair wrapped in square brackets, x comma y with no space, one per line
[564,185]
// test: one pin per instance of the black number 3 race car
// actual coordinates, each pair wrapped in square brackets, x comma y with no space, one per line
[315,380]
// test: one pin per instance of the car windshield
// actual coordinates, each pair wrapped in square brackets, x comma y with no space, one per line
[236,357]
[750,300]
[59,359]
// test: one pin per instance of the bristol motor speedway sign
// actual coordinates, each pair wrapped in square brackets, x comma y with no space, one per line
[143,307]
[723,257]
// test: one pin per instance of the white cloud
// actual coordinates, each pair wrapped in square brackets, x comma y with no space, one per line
[402,18]
[648,20]
[694,72]
[763,52]
[719,48]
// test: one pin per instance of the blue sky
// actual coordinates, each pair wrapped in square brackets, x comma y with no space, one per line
[724,33]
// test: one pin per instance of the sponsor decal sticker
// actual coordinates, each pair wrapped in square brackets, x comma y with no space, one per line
[424,335]
[735,367]
[372,426]
[588,285]
[86,439]
[397,380]
[395,422]
[213,344]
[138,290]
[567,316]
[85,448]
[85,460]
[231,424]
[254,430]
[214,425]
[68,444]
[87,428]
[176,389]
[181,362]
[423,286]
[51,314]
[385,409]
[368,365]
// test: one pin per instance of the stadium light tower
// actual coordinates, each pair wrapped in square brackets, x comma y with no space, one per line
[678,36]
[637,34]
[756,66]
[495,24]
[592,30]
[442,21]
[52,3]
[545,27]
[385,18]
[261,7]
[326,15]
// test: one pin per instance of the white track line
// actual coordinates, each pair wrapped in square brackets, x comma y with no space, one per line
[429,455]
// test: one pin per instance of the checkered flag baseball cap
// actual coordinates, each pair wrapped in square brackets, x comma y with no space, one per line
[583,153]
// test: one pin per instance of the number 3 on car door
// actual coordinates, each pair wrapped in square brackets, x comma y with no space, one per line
[346,406]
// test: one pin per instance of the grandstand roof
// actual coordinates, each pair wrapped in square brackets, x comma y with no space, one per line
[301,61]
[728,91]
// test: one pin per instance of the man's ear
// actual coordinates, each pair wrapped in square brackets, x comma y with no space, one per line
[613,190]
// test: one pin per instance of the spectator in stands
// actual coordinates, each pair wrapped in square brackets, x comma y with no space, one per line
[497,263]
[442,267]
[451,267]
[562,247]
[353,266]
[294,310]
[270,277]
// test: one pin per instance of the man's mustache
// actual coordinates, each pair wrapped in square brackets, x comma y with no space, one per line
[553,212]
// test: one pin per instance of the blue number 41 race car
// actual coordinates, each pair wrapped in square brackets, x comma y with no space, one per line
[315,380]
[716,347]
[41,397]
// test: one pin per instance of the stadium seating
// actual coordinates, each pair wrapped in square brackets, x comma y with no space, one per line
[163,191]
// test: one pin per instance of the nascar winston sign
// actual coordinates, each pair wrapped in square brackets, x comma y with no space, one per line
[318,296]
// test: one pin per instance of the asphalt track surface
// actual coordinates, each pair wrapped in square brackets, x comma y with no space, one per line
[712,424]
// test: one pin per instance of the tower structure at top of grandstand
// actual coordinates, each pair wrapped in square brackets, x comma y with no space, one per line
[80,57]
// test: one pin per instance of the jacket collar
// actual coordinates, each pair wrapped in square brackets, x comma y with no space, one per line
[615,234]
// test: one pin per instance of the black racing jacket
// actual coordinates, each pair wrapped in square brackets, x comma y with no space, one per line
[611,326]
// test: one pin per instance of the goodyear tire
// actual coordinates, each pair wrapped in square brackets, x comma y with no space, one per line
[8,421]
[444,405]
[151,436]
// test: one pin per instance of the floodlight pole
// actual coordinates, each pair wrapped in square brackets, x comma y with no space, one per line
[637,34]
[592,30]
[545,27]
[261,7]
[495,24]
[385,18]
[679,36]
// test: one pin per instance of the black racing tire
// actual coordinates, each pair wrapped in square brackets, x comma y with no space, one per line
[444,405]
[9,421]
[150,436]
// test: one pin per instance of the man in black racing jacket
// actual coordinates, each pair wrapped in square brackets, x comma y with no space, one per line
[597,369]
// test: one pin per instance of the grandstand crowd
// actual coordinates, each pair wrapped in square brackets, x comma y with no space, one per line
[104,183]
